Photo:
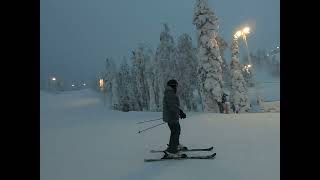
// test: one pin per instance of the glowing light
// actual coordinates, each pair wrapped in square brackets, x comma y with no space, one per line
[238,34]
[53,79]
[246,30]
[72,85]
[101,84]
[84,84]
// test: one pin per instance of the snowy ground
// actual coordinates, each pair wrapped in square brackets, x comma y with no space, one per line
[266,86]
[82,140]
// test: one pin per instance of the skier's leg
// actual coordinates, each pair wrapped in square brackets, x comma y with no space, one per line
[178,133]
[171,136]
[174,137]
[220,107]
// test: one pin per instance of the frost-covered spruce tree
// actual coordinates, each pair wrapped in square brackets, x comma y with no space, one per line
[142,91]
[111,81]
[209,69]
[148,59]
[247,70]
[165,64]
[124,86]
[239,92]
[115,95]
[223,45]
[150,78]
[134,104]
[186,72]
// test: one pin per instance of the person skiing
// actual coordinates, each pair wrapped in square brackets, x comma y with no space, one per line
[221,104]
[171,114]
[224,103]
[224,98]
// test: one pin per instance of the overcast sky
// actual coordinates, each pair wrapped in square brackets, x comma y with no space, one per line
[76,36]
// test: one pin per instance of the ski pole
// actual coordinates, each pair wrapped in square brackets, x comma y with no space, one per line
[151,127]
[148,121]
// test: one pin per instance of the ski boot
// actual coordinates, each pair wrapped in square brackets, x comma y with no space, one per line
[170,155]
[182,147]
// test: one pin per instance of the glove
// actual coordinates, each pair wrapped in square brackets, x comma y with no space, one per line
[182,115]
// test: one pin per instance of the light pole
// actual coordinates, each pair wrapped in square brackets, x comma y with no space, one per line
[244,32]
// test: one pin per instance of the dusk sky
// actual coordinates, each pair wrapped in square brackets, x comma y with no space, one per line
[76,36]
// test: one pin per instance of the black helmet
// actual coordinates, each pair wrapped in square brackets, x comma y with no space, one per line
[172,82]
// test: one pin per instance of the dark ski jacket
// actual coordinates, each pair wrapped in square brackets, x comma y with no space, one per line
[171,106]
[224,98]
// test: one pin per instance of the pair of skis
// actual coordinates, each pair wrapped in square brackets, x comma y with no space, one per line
[183,156]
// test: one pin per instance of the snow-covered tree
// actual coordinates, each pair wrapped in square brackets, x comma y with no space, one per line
[186,72]
[133,103]
[223,45]
[247,72]
[165,63]
[124,86]
[115,95]
[239,92]
[111,81]
[150,78]
[138,72]
[209,69]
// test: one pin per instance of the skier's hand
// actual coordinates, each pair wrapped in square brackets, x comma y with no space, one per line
[182,114]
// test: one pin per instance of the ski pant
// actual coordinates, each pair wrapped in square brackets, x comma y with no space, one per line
[221,108]
[174,136]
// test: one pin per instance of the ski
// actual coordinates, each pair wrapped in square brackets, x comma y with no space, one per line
[184,156]
[186,150]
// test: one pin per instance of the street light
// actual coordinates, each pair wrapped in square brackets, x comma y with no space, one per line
[101,84]
[102,88]
[246,30]
[246,68]
[237,34]
[51,80]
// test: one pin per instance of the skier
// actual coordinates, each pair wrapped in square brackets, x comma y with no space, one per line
[221,104]
[224,97]
[171,114]
[225,103]
[234,109]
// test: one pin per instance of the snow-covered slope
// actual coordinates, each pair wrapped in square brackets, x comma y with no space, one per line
[82,140]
